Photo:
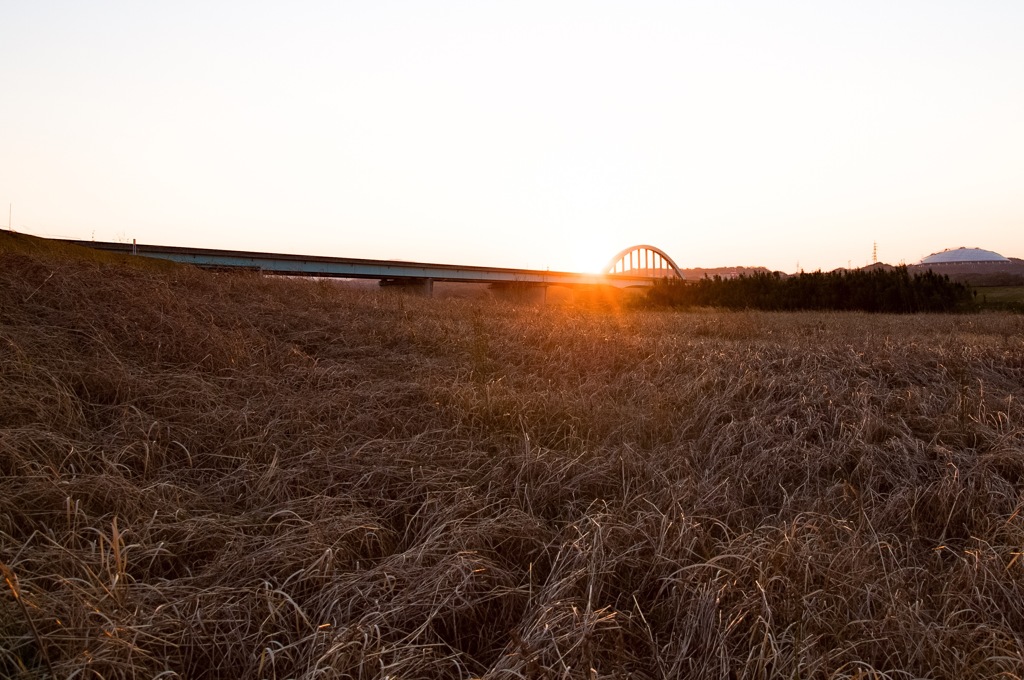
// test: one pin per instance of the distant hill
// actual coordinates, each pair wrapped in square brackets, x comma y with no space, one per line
[724,272]
[878,266]
[972,273]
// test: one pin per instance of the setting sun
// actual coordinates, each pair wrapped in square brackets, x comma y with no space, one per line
[589,257]
[580,250]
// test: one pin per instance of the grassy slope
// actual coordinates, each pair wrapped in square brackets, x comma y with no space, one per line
[228,476]
[12,242]
[1001,295]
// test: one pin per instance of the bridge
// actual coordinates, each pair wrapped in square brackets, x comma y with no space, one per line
[635,266]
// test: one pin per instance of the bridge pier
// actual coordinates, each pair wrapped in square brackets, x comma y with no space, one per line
[424,287]
[521,292]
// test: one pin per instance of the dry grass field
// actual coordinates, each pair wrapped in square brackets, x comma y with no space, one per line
[227,476]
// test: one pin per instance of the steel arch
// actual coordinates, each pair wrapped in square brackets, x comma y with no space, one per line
[645,260]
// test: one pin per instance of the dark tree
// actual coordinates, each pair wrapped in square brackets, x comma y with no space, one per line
[893,291]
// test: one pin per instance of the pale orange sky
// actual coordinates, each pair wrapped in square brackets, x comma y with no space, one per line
[531,134]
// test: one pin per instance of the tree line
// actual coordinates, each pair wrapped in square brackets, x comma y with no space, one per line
[893,291]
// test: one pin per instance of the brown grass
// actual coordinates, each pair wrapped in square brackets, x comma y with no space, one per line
[213,476]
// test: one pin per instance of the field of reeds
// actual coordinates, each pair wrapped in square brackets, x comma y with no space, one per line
[227,476]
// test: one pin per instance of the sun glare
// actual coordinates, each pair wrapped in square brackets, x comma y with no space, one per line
[589,257]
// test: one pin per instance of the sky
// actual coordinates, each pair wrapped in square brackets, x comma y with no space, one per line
[785,134]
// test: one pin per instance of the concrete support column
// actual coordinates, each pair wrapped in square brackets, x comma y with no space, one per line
[525,293]
[424,287]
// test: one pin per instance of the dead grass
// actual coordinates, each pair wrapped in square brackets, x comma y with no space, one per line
[213,476]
